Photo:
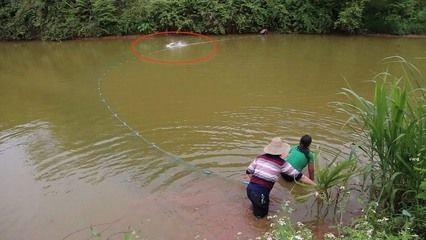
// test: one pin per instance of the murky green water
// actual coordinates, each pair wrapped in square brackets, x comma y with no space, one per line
[90,135]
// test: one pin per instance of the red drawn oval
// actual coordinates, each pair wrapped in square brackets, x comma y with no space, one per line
[210,40]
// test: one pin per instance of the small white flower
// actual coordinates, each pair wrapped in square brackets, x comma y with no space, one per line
[342,188]
[330,236]
[300,224]
[316,194]
[297,237]
[369,232]
[281,222]
[239,233]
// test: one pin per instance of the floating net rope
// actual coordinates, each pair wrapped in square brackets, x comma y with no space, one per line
[138,134]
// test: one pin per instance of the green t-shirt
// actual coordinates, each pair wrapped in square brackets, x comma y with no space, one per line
[298,160]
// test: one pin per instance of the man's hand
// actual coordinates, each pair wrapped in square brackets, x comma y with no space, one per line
[249,176]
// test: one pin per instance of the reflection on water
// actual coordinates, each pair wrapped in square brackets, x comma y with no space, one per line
[66,162]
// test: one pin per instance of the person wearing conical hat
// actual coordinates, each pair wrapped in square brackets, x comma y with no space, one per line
[264,172]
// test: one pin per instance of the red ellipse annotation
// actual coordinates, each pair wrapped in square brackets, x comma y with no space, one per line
[210,40]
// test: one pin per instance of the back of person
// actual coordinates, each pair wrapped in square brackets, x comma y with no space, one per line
[299,159]
[300,156]
[266,169]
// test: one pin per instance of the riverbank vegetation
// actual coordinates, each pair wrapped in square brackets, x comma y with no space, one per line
[391,132]
[59,20]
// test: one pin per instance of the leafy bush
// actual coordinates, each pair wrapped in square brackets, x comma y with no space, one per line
[247,16]
[58,20]
[105,14]
[393,129]
[351,17]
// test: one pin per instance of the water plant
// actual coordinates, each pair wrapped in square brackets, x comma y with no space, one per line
[332,183]
[393,129]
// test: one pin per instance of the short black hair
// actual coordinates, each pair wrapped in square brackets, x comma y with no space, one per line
[305,141]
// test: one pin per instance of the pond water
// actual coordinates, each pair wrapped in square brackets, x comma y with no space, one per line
[92,136]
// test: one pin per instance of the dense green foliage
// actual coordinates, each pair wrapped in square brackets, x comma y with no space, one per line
[56,20]
[392,128]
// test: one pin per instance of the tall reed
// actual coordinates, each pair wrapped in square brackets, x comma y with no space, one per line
[392,129]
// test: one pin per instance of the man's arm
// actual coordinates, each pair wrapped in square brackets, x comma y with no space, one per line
[298,176]
[250,169]
[305,179]
[311,170]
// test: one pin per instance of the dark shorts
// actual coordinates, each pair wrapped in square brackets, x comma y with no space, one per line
[289,178]
[259,197]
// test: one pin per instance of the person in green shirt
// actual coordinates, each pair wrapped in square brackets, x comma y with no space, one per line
[300,156]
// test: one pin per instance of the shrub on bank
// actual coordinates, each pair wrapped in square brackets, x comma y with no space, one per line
[57,20]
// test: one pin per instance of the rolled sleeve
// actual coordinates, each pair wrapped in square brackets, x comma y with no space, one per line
[251,167]
[290,171]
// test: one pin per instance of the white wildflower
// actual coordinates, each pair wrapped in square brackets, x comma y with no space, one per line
[297,237]
[281,222]
[342,188]
[239,233]
[369,232]
[300,224]
[286,203]
[329,236]
[316,194]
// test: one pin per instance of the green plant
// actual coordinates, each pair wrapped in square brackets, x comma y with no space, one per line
[284,229]
[105,14]
[332,180]
[373,225]
[393,125]
[351,17]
